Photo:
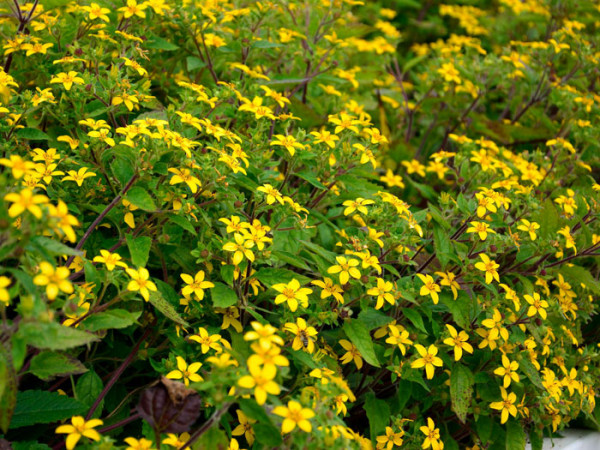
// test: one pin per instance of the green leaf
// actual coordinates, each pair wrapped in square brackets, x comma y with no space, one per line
[53,336]
[415,318]
[35,407]
[461,390]
[580,275]
[51,247]
[87,389]
[536,437]
[372,318]
[360,337]
[194,63]
[267,435]
[311,178]
[157,43]
[484,426]
[378,413]
[166,308]
[139,197]
[122,168]
[223,296]
[183,223]
[442,245]
[29,445]
[515,436]
[111,319]
[270,276]
[33,134]
[139,248]
[253,410]
[548,219]
[47,365]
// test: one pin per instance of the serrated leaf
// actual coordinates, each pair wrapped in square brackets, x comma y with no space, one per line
[111,319]
[360,337]
[159,302]
[442,245]
[53,336]
[9,384]
[461,390]
[139,197]
[223,296]
[139,248]
[47,365]
[88,388]
[36,407]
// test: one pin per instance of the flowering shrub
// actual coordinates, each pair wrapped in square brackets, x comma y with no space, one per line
[298,224]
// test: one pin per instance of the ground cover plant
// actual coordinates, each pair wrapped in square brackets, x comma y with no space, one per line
[298,224]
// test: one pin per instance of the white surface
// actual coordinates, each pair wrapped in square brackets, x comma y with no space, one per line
[573,440]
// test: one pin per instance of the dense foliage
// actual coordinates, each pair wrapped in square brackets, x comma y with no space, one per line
[298,224]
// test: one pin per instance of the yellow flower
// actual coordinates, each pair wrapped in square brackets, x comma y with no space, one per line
[481,228]
[241,248]
[390,439]
[294,415]
[133,9]
[449,73]
[344,122]
[529,227]
[185,372]
[67,79]
[292,293]
[138,444]
[458,341]
[399,337]
[177,442]
[506,406]
[382,292]
[79,428]
[130,102]
[271,193]
[489,267]
[267,357]
[537,305]
[392,180]
[432,436]
[25,201]
[346,268]
[330,289]
[278,97]
[356,205]
[185,176]
[428,359]
[289,142]
[95,11]
[352,354]
[111,260]
[429,287]
[508,371]
[264,334]
[140,282]
[449,279]
[304,335]
[207,341]
[79,176]
[222,361]
[195,285]
[55,280]
[18,165]
[4,294]
[245,427]
[261,380]
[414,166]
[325,137]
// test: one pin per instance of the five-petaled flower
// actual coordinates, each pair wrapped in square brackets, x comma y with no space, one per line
[185,372]
[195,285]
[79,428]
[140,282]
[488,266]
[292,293]
[506,406]
[458,341]
[432,436]
[55,280]
[428,359]
[294,415]
[429,287]
[67,79]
